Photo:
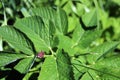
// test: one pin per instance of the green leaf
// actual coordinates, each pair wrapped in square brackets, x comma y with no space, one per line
[58,17]
[16,39]
[77,69]
[61,21]
[27,76]
[39,32]
[56,68]
[86,76]
[80,41]
[49,69]
[24,65]
[64,66]
[90,18]
[101,50]
[66,43]
[90,75]
[83,38]
[6,58]
[109,68]
[78,33]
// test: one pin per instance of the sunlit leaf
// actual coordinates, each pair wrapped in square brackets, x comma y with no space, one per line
[7,58]
[39,32]
[16,39]
[58,68]
[90,18]
[24,65]
[58,17]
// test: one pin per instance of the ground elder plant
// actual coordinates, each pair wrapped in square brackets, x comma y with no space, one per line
[43,49]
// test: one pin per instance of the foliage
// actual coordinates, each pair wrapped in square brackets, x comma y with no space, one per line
[59,40]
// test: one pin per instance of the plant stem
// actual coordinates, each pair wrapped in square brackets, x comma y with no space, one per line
[97,9]
[53,53]
[1,44]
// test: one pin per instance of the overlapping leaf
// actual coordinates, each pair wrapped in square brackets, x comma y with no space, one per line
[100,51]
[80,41]
[24,65]
[56,68]
[109,68]
[49,69]
[39,32]
[16,39]
[58,17]
[64,66]
[6,58]
[90,18]
[84,38]
[66,43]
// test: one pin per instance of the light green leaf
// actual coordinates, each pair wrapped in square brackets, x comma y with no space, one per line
[1,44]
[58,17]
[56,68]
[49,69]
[66,43]
[24,65]
[77,69]
[78,33]
[109,68]
[90,75]
[83,38]
[39,32]
[101,50]
[16,39]
[61,21]
[80,41]
[90,18]
[27,76]
[6,58]
[86,76]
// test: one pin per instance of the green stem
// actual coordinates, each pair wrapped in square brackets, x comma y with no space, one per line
[53,53]
[97,9]
[1,44]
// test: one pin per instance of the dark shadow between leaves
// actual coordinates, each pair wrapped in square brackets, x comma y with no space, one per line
[3,74]
[86,27]
[15,75]
[34,76]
